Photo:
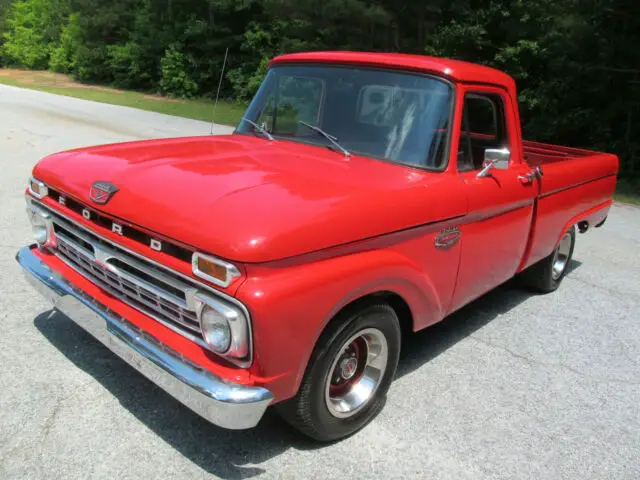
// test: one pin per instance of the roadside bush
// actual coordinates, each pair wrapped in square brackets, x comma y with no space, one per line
[246,84]
[26,39]
[89,65]
[124,63]
[175,80]
[61,59]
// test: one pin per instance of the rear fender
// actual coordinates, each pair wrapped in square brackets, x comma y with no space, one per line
[593,216]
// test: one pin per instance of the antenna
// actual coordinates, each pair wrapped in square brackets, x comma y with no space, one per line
[215,104]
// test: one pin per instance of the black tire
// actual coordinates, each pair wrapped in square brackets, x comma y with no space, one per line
[308,411]
[540,276]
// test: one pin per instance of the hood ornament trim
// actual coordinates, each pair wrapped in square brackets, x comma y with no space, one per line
[101,192]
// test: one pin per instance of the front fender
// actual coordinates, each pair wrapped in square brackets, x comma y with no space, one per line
[291,304]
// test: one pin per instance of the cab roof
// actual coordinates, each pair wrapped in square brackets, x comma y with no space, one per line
[453,69]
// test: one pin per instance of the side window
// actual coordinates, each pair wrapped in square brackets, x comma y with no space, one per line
[298,99]
[482,115]
[483,127]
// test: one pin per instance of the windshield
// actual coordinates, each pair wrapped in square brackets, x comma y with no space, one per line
[384,114]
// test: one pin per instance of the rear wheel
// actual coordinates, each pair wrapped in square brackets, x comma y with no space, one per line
[348,375]
[546,275]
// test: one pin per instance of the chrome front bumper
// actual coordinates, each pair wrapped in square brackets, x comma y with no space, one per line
[229,405]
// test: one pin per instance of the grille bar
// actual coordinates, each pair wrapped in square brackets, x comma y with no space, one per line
[135,234]
[156,293]
[123,263]
[130,295]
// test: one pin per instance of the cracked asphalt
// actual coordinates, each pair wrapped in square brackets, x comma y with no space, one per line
[513,386]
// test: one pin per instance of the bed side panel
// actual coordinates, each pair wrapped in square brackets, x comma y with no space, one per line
[573,171]
[558,211]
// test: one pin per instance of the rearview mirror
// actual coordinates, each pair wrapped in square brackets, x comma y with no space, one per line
[497,158]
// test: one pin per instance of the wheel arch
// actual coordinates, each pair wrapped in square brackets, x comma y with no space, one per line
[592,216]
[289,317]
[399,305]
[414,307]
[395,300]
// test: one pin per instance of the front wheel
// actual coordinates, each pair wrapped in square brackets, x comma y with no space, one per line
[348,375]
[546,275]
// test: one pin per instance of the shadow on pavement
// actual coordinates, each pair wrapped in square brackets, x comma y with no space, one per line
[233,454]
[425,345]
[573,265]
[224,453]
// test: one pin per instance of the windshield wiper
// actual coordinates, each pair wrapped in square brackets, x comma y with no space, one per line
[259,128]
[331,138]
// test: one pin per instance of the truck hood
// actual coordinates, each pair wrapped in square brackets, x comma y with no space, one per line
[244,198]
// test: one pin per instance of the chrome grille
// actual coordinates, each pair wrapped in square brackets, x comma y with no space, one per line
[156,292]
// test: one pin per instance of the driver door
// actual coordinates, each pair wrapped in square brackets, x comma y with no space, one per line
[495,235]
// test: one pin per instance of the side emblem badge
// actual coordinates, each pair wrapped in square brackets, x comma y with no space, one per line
[101,192]
[448,237]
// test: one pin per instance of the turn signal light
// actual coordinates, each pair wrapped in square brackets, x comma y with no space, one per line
[213,269]
[37,188]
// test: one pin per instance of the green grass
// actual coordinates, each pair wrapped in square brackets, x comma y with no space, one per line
[628,191]
[227,113]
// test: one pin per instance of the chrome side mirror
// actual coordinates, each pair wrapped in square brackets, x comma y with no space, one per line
[494,158]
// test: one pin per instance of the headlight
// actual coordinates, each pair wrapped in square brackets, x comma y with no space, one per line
[215,329]
[37,188]
[225,327]
[213,269]
[41,225]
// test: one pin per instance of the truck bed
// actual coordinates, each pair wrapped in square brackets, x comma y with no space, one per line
[566,167]
[536,153]
[577,185]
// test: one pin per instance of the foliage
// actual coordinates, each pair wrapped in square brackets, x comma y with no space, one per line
[124,63]
[62,56]
[32,27]
[245,82]
[574,61]
[175,80]
[4,7]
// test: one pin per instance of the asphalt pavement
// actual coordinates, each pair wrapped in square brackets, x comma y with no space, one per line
[514,386]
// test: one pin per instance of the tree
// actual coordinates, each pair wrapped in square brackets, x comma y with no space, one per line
[32,27]
[574,61]
[61,58]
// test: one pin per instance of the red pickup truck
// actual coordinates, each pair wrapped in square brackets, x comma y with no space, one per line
[362,197]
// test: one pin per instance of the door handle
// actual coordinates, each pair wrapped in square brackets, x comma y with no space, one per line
[531,176]
[527,179]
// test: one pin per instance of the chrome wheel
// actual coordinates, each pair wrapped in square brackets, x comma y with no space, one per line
[356,372]
[561,257]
